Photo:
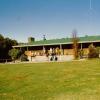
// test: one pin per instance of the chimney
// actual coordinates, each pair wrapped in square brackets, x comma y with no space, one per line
[31,39]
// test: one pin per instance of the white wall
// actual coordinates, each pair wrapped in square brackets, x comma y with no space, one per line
[44,58]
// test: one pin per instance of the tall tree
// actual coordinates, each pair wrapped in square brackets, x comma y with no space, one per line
[75,41]
[5,45]
[1,46]
[1,37]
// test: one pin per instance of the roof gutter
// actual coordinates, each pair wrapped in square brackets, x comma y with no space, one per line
[53,44]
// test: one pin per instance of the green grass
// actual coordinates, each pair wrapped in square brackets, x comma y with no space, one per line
[77,80]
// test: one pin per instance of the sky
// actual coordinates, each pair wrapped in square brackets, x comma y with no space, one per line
[20,19]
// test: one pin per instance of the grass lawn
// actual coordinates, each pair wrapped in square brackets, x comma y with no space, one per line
[77,80]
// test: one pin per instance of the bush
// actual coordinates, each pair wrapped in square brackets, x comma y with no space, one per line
[23,57]
[14,53]
[93,52]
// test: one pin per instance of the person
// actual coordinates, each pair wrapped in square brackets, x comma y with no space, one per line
[50,51]
[56,58]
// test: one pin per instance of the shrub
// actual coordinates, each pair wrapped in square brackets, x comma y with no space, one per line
[14,53]
[23,57]
[93,52]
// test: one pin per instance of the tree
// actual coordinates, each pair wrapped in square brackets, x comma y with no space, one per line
[1,47]
[14,53]
[1,37]
[75,43]
[6,45]
[93,52]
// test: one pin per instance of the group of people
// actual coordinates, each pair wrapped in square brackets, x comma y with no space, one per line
[51,53]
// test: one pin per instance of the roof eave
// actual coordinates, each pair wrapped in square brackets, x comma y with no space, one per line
[54,44]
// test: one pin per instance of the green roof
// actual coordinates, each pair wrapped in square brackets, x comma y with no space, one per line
[61,41]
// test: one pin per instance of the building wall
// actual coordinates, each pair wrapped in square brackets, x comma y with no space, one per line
[66,49]
[64,52]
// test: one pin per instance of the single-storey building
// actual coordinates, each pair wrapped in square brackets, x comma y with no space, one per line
[63,46]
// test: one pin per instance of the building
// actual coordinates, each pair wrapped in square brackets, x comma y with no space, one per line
[64,46]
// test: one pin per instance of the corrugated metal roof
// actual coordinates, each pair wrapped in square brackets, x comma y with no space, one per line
[60,41]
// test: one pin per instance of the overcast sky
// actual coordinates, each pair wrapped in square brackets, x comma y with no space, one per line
[20,19]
